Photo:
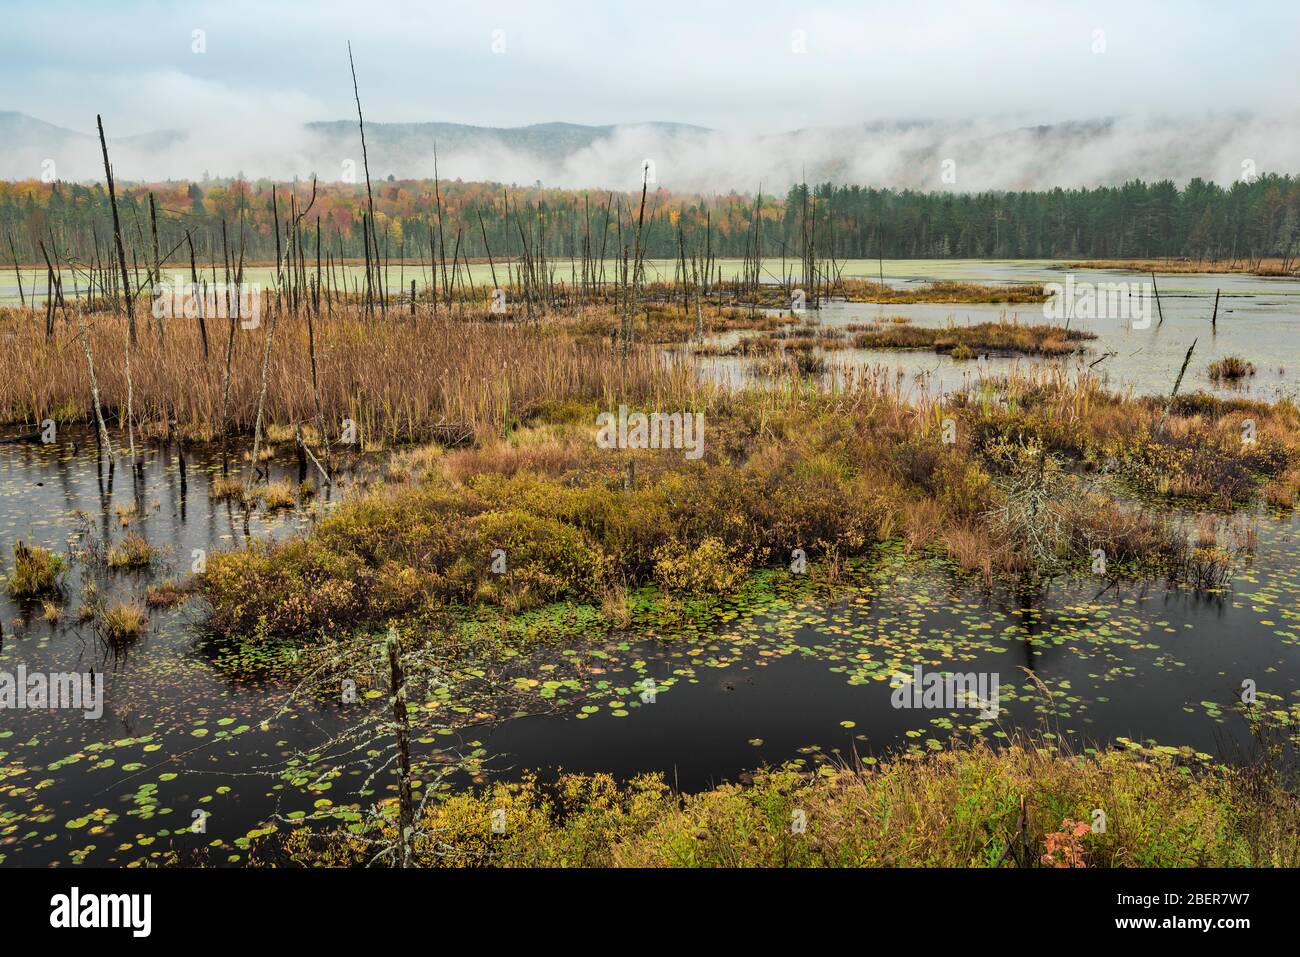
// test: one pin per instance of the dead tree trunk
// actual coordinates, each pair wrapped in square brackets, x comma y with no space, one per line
[1164,418]
[157,262]
[255,470]
[365,163]
[117,234]
[198,298]
[17,274]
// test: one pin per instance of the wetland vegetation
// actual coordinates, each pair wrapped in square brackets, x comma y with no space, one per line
[425,606]
[968,807]
[474,434]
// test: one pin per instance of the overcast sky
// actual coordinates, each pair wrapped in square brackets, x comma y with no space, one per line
[730,66]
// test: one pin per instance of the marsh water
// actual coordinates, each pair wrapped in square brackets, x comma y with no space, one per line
[1257,318]
[780,673]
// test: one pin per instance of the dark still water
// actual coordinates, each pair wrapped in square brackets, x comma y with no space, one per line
[1139,662]
[775,677]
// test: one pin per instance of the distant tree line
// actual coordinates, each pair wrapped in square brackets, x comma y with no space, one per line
[414,218]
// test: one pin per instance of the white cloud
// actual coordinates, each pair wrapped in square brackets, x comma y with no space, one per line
[974,69]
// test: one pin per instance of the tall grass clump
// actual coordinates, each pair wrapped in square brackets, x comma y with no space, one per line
[134,551]
[121,621]
[37,571]
[1231,369]
[966,341]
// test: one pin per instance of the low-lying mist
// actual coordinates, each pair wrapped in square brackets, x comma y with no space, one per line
[965,157]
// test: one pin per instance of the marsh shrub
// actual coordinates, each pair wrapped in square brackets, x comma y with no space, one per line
[628,526]
[717,501]
[830,475]
[1215,407]
[1208,568]
[708,568]
[955,808]
[406,523]
[1282,491]
[1033,514]
[825,509]
[400,588]
[167,594]
[545,559]
[631,531]
[1201,463]
[1126,534]
[293,590]
[992,433]
[918,458]
[965,488]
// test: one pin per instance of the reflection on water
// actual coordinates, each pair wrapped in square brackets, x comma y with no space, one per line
[171,723]
[895,272]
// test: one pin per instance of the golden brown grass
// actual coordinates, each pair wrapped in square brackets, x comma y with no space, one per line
[122,620]
[273,496]
[1230,369]
[865,290]
[225,487]
[964,342]
[132,552]
[780,296]
[37,571]
[1283,491]
[666,321]
[1262,267]
[397,379]
[167,594]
